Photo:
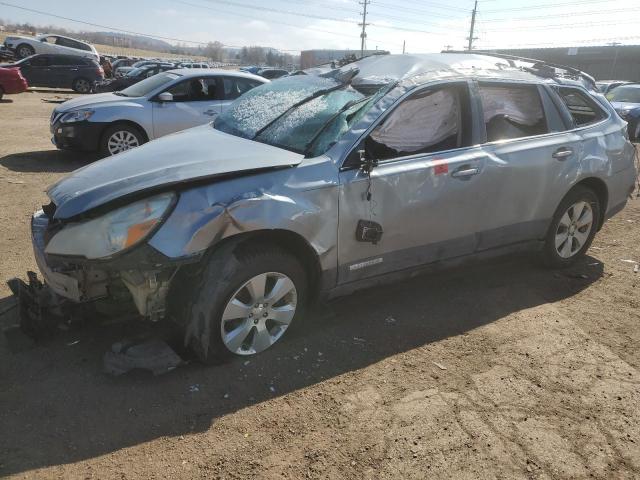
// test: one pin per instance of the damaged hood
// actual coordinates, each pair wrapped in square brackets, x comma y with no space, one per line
[194,154]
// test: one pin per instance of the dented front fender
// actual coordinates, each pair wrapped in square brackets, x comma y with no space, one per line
[302,200]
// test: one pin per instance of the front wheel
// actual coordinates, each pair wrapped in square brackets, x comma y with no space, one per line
[120,138]
[572,229]
[24,51]
[243,303]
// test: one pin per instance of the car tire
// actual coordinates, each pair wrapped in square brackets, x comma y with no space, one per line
[24,50]
[1,93]
[228,313]
[81,85]
[119,138]
[572,229]
[636,133]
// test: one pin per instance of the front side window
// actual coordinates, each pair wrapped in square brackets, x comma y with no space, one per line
[512,111]
[583,109]
[431,120]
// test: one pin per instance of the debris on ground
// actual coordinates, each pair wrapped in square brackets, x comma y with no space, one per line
[154,355]
[440,366]
[636,268]
[390,320]
[194,388]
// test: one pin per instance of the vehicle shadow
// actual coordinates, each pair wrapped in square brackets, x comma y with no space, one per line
[6,100]
[61,409]
[47,161]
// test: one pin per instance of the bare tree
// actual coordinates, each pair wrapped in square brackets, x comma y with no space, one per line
[214,51]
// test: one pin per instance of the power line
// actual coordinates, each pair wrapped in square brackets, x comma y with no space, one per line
[556,15]
[560,26]
[130,32]
[546,6]
[280,22]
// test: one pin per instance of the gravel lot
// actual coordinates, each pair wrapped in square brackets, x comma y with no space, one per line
[501,370]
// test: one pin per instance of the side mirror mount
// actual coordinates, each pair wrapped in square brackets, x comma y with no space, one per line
[165,97]
[366,164]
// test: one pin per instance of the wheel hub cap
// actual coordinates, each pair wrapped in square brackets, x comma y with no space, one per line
[573,229]
[258,313]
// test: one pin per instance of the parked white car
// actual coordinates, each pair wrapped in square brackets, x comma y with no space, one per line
[49,43]
[159,105]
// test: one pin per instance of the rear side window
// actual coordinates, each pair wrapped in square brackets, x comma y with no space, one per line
[583,109]
[429,121]
[60,60]
[512,111]
[234,87]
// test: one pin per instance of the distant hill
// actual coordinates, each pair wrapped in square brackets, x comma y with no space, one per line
[126,40]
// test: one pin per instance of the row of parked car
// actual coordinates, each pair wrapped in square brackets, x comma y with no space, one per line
[317,185]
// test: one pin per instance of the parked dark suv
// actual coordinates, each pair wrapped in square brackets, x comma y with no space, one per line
[60,71]
[132,77]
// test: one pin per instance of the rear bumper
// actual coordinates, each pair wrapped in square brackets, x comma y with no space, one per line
[14,86]
[82,136]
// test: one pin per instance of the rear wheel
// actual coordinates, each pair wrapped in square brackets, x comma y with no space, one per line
[1,93]
[120,138]
[81,85]
[23,50]
[243,303]
[573,227]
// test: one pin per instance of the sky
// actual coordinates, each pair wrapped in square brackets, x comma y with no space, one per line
[294,25]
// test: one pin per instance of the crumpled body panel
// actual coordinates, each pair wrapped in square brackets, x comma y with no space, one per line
[303,200]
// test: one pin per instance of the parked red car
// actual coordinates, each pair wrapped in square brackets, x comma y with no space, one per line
[12,81]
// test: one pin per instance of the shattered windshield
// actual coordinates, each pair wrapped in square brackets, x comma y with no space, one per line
[277,113]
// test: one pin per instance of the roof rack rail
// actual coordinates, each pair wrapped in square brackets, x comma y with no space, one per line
[539,67]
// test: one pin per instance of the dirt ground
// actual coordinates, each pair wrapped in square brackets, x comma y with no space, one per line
[501,370]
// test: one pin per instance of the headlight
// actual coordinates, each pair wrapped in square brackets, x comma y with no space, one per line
[76,116]
[113,232]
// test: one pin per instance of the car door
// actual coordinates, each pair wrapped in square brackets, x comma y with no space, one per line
[531,159]
[195,102]
[63,70]
[37,70]
[419,203]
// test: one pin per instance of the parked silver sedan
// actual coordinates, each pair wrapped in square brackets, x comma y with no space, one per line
[164,103]
[319,185]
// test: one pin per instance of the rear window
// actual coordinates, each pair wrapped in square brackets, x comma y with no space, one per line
[583,109]
[512,111]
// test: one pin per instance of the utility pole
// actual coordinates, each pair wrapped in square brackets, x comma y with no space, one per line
[473,26]
[404,44]
[363,35]
[615,58]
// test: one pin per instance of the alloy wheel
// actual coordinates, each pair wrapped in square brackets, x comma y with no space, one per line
[258,313]
[83,86]
[574,229]
[122,140]
[24,52]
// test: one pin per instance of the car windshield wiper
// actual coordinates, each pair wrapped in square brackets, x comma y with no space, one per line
[324,126]
[313,96]
[120,94]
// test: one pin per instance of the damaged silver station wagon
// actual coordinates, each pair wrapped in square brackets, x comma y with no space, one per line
[319,185]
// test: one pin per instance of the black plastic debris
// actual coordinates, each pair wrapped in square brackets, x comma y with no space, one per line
[154,355]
